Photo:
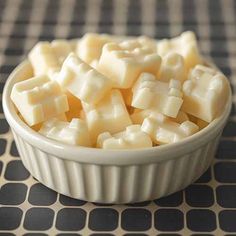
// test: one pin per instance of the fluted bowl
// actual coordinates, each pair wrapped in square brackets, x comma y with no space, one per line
[111,176]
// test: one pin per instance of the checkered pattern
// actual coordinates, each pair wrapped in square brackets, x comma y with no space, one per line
[208,206]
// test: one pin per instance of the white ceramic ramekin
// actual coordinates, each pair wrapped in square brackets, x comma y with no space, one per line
[111,176]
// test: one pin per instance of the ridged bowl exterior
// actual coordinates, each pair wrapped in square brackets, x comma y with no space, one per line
[115,184]
[98,176]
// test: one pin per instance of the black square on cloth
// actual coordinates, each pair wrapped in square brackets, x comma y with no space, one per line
[38,219]
[70,219]
[10,218]
[136,219]
[103,219]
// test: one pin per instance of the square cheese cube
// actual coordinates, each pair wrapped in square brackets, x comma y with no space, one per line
[205,93]
[132,137]
[39,99]
[185,45]
[124,62]
[46,58]
[162,130]
[82,80]
[138,116]
[110,114]
[74,132]
[149,93]
[172,67]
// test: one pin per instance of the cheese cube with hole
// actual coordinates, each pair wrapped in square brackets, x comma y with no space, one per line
[162,130]
[110,114]
[185,45]
[138,116]
[47,58]
[172,67]
[149,93]
[124,62]
[74,132]
[205,93]
[39,99]
[132,137]
[82,80]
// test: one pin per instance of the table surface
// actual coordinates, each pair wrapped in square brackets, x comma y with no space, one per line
[207,207]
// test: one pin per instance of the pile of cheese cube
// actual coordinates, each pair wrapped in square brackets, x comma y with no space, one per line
[115,92]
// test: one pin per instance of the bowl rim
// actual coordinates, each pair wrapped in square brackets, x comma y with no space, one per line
[102,156]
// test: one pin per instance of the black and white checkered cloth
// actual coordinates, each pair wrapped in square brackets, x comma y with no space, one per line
[207,207]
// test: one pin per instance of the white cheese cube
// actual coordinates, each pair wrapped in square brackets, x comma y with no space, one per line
[43,59]
[132,137]
[162,130]
[149,93]
[124,62]
[38,126]
[39,99]
[147,42]
[61,48]
[138,116]
[82,80]
[90,46]
[180,118]
[46,58]
[205,93]
[172,67]
[74,132]
[110,114]
[185,45]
